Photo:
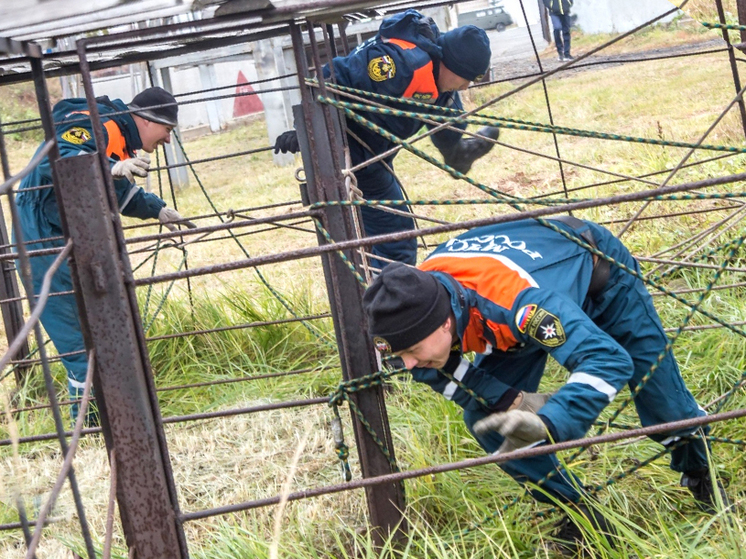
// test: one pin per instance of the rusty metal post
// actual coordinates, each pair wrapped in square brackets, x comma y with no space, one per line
[741,7]
[544,19]
[12,311]
[111,324]
[732,58]
[45,112]
[321,142]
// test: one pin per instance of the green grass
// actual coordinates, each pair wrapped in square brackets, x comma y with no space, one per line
[230,460]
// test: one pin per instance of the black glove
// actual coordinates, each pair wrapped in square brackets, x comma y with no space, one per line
[469,149]
[287,142]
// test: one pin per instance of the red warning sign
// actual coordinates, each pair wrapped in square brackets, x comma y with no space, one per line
[245,102]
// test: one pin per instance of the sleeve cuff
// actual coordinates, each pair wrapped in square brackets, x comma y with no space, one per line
[505,401]
[551,428]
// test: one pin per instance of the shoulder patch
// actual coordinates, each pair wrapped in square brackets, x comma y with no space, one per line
[76,135]
[381,68]
[422,96]
[382,345]
[545,328]
[523,317]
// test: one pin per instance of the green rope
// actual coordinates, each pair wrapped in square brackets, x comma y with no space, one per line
[343,452]
[341,254]
[165,295]
[342,394]
[546,201]
[729,27]
[310,327]
[514,124]
[155,253]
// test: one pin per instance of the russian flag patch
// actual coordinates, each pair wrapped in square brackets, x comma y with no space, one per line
[523,317]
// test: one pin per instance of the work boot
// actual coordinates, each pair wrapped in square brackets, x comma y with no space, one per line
[700,484]
[569,538]
[92,418]
[469,149]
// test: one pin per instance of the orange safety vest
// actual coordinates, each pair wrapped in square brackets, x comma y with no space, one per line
[117,144]
[423,80]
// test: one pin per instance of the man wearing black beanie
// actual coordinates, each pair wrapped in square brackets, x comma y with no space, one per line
[515,293]
[126,133]
[408,59]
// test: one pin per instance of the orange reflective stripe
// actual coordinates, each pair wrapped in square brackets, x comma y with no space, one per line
[490,278]
[423,80]
[423,83]
[117,144]
[406,45]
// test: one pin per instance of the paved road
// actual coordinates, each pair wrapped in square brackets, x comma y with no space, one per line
[513,56]
[515,43]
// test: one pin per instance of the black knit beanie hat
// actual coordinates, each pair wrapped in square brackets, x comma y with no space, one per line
[146,104]
[404,306]
[466,52]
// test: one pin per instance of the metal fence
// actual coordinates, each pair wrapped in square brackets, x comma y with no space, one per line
[108,260]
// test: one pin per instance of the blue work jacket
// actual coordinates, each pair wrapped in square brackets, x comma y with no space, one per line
[74,136]
[521,288]
[401,61]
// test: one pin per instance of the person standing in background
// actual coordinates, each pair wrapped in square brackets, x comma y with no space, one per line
[559,10]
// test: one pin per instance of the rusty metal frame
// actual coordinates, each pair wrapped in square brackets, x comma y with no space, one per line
[111,324]
[105,287]
[321,141]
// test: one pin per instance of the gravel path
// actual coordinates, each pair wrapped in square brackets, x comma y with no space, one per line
[527,67]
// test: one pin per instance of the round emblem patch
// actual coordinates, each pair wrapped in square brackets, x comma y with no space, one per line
[76,135]
[544,327]
[381,68]
[381,345]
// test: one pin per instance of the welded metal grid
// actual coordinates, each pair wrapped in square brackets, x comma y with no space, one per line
[327,180]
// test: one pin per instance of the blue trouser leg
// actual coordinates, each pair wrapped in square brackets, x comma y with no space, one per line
[561,27]
[377,183]
[60,314]
[523,370]
[625,311]
[60,320]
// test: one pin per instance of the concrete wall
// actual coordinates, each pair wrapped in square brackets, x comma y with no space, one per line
[184,80]
[617,16]
[513,7]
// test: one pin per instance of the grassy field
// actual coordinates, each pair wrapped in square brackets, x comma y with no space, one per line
[229,460]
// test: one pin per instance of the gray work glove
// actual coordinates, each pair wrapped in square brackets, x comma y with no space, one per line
[469,149]
[171,218]
[533,401]
[129,168]
[519,427]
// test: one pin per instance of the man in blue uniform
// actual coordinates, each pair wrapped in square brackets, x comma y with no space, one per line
[146,128]
[559,11]
[515,293]
[410,59]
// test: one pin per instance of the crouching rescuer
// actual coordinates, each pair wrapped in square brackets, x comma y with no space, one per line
[514,294]
[129,130]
